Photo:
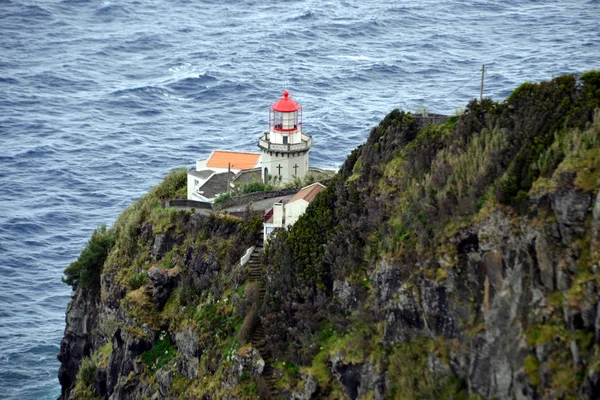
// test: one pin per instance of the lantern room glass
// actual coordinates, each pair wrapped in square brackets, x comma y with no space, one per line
[285,121]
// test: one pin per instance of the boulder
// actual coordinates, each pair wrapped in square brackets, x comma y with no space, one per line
[162,282]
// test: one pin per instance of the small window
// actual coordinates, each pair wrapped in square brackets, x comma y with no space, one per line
[196,182]
[285,140]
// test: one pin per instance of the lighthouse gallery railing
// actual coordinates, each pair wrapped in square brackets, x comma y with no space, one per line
[305,144]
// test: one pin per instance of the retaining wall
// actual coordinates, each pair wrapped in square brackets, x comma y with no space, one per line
[247,198]
[200,205]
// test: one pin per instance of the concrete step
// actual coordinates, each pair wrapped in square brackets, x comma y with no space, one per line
[256,271]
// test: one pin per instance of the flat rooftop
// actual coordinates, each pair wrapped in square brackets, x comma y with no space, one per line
[215,185]
[204,174]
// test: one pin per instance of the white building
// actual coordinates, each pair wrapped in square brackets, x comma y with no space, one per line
[214,175]
[283,157]
[285,215]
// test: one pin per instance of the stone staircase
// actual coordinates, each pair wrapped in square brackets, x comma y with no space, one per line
[258,339]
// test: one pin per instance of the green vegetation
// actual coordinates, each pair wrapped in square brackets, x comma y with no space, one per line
[255,187]
[409,377]
[136,280]
[86,377]
[85,272]
[532,368]
[161,353]
[217,320]
[248,188]
[221,198]
[310,178]
[304,240]
[174,186]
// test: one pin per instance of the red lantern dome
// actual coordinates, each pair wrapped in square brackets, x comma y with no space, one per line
[285,104]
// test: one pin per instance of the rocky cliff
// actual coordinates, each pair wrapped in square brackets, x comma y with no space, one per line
[450,260]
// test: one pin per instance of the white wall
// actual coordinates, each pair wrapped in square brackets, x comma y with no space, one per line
[294,137]
[294,210]
[191,187]
[287,165]
[278,214]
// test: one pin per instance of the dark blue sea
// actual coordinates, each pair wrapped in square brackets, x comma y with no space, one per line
[99,99]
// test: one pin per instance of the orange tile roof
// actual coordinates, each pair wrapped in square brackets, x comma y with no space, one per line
[308,193]
[238,160]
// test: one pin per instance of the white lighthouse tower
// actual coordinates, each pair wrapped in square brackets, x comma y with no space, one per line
[285,147]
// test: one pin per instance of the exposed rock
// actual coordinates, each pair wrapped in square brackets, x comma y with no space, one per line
[162,282]
[245,359]
[204,267]
[78,341]
[346,294]
[123,360]
[570,207]
[358,379]
[545,261]
[494,269]
[186,341]
[164,378]
[595,228]
[100,383]
[147,232]
[308,390]
[163,243]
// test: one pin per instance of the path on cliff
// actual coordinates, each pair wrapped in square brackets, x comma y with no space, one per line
[258,340]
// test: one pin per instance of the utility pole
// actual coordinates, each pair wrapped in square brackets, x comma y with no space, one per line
[228,178]
[481,91]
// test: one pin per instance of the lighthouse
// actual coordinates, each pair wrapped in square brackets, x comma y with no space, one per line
[285,146]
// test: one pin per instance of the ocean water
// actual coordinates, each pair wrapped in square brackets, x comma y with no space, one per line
[99,99]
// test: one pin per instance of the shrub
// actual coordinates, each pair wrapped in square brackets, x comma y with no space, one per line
[86,270]
[86,377]
[221,198]
[87,371]
[174,185]
[253,187]
[136,280]
[217,319]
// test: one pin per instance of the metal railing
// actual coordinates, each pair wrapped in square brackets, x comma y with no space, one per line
[305,144]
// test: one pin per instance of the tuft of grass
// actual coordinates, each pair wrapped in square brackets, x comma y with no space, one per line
[161,353]
[136,280]
[103,355]
[532,369]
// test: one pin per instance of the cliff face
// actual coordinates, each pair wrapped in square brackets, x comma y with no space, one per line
[449,260]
